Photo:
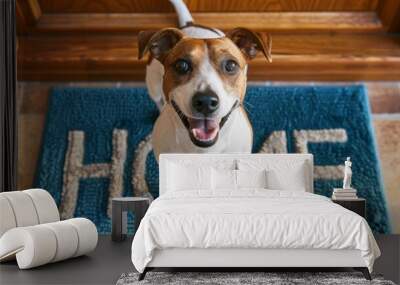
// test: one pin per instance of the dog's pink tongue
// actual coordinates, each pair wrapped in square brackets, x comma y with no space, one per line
[204,129]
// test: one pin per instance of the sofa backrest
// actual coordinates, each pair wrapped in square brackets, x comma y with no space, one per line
[26,208]
[231,161]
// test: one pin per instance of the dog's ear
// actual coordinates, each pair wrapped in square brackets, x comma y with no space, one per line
[143,39]
[250,43]
[158,43]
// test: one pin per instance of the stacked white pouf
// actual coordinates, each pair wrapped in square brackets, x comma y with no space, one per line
[32,233]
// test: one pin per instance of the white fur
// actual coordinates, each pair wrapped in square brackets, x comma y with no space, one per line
[182,11]
[201,33]
[154,82]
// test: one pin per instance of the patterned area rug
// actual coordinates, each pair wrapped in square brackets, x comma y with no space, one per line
[96,144]
[243,278]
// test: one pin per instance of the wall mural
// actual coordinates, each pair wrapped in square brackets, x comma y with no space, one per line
[97,144]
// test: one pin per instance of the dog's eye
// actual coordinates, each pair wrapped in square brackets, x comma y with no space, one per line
[230,66]
[182,66]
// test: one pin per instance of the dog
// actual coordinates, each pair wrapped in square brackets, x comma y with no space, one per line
[197,77]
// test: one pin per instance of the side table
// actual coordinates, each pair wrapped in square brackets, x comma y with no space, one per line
[358,205]
[120,208]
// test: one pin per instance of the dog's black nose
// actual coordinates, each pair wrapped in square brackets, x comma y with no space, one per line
[205,102]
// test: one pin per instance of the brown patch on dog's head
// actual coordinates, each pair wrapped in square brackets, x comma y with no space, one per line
[222,50]
[160,43]
[250,43]
[143,40]
[218,51]
[234,51]
[193,51]
[170,45]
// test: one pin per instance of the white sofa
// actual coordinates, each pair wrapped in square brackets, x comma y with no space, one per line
[31,231]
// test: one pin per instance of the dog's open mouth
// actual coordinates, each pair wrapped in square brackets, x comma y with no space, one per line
[203,132]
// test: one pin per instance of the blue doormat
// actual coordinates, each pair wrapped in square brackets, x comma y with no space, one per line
[96,140]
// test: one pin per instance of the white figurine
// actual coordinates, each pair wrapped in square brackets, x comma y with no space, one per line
[347,174]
